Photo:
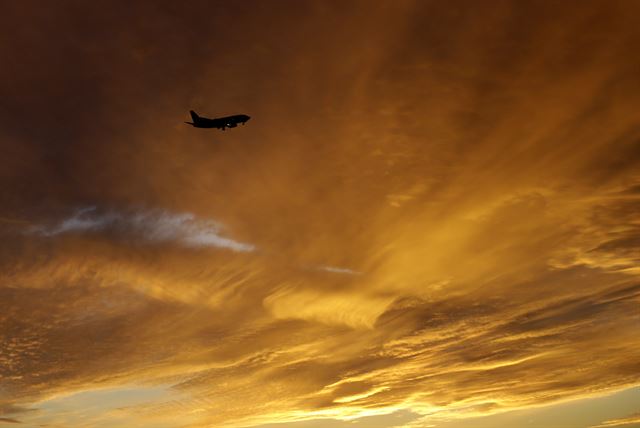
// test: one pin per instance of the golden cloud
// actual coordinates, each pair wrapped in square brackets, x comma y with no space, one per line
[433,209]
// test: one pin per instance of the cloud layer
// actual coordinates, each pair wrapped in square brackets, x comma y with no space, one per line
[432,213]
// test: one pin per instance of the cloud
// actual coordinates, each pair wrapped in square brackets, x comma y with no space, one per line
[629,420]
[335,269]
[353,309]
[153,226]
[444,200]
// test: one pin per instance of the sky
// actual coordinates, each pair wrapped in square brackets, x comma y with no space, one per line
[430,221]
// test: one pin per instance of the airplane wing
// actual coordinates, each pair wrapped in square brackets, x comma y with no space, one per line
[218,124]
[224,122]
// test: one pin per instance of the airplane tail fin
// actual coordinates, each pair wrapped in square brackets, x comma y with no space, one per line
[194,116]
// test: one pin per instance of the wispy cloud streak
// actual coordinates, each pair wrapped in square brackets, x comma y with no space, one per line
[335,269]
[152,226]
[620,422]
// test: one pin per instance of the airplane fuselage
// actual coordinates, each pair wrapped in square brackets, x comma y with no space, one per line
[219,123]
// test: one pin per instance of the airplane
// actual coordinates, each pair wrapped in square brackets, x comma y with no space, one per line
[219,123]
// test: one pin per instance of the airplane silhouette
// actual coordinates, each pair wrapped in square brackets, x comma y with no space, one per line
[219,123]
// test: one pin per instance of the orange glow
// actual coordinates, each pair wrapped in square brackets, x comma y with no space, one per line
[431,217]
